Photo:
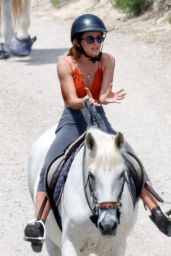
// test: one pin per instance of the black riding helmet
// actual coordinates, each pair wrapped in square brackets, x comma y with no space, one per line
[87,23]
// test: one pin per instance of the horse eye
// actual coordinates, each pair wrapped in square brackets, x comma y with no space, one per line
[91,176]
[121,175]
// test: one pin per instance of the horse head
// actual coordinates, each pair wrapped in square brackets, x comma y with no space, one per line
[105,168]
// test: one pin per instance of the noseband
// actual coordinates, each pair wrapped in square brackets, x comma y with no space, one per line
[108,205]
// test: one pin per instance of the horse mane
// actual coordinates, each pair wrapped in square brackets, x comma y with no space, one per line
[105,148]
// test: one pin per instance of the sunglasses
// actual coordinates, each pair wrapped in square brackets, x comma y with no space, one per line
[91,39]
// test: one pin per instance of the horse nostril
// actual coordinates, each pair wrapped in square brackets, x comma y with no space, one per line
[107,229]
[114,226]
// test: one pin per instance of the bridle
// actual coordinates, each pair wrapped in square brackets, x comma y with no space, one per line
[91,198]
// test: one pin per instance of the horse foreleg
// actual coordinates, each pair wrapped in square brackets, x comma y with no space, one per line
[21,43]
[23,22]
[68,249]
[6,30]
[52,248]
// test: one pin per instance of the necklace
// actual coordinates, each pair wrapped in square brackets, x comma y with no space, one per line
[88,76]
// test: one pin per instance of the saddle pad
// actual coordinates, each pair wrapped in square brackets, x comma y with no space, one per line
[57,174]
[60,182]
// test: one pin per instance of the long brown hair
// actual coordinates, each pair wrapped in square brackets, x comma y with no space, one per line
[74,50]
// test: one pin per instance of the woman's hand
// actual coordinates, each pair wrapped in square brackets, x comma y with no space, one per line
[90,98]
[113,96]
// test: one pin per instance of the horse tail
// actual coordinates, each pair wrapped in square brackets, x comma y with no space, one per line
[17,8]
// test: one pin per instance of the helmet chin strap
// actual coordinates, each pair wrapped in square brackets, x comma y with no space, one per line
[93,59]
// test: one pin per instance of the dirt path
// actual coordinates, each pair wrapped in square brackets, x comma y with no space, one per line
[30,103]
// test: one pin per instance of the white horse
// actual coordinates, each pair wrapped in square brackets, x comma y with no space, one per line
[14,25]
[99,164]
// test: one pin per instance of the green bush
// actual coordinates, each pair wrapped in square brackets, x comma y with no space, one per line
[169,18]
[55,2]
[132,7]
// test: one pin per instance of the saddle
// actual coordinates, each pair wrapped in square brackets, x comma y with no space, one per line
[57,174]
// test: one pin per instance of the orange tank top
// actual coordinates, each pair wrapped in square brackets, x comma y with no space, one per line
[80,83]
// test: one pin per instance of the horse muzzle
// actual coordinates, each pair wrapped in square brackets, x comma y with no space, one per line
[107,222]
[108,218]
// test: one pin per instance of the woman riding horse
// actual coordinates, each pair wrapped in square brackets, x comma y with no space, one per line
[86,72]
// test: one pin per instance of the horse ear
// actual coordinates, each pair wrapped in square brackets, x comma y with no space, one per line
[119,140]
[90,142]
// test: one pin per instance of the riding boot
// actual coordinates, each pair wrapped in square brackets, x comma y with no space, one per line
[161,220]
[35,233]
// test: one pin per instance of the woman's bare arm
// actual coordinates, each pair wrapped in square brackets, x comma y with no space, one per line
[64,70]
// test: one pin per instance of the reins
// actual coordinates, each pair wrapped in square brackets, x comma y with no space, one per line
[91,199]
[93,119]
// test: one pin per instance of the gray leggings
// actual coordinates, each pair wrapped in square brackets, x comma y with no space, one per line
[72,124]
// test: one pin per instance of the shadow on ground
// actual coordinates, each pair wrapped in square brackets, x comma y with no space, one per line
[41,56]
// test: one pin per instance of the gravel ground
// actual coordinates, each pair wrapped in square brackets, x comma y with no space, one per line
[31,103]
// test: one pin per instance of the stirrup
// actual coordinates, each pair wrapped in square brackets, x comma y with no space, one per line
[32,235]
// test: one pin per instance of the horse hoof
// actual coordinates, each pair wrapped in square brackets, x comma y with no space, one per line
[4,51]
[22,47]
[37,247]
